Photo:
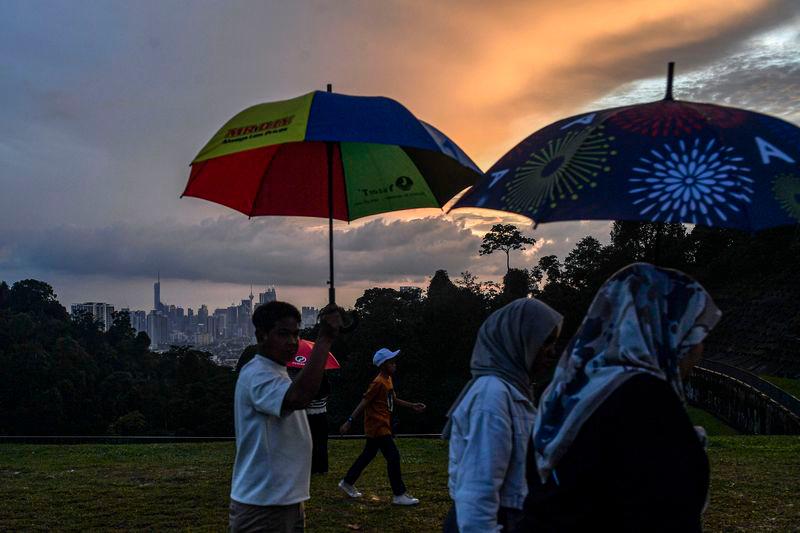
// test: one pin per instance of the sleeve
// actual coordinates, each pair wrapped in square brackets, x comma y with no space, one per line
[482,467]
[267,391]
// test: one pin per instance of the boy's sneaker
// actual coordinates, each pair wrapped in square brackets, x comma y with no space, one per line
[405,499]
[350,490]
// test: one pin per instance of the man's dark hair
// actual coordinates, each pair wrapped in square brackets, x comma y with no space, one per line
[265,316]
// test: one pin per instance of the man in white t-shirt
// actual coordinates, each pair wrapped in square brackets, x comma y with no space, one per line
[272,470]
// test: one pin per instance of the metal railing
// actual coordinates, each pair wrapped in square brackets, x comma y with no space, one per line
[773,392]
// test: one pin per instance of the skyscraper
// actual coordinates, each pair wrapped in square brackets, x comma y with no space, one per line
[308,317]
[202,314]
[101,312]
[267,296]
[157,294]
[139,321]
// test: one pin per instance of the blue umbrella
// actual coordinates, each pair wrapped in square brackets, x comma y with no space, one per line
[664,161]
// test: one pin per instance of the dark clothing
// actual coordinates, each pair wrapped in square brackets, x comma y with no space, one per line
[389,450]
[316,412]
[245,518]
[319,436]
[637,464]
[508,518]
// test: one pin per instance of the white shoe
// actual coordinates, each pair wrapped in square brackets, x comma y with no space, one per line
[405,499]
[350,490]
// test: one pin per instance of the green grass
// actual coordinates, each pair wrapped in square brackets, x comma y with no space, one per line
[713,425]
[792,386]
[185,486]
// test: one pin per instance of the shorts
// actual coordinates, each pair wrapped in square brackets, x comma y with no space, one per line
[245,518]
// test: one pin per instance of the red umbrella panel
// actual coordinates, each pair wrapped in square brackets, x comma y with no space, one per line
[304,352]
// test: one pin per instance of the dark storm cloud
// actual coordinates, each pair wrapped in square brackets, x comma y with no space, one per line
[231,249]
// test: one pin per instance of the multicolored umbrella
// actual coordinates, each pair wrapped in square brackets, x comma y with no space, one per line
[665,161]
[304,352]
[329,155]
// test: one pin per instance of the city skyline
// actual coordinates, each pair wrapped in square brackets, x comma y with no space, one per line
[174,291]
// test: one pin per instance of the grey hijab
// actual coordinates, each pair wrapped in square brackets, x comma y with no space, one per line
[508,341]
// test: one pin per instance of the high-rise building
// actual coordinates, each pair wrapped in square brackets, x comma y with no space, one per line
[100,312]
[221,323]
[157,329]
[139,321]
[157,294]
[202,314]
[308,316]
[267,296]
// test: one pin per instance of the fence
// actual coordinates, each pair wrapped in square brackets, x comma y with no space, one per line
[743,400]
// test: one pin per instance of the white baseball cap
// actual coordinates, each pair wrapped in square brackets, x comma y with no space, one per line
[383,355]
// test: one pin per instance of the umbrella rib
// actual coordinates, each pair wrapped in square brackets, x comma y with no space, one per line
[257,196]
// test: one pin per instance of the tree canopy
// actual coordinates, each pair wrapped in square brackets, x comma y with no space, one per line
[64,375]
[505,237]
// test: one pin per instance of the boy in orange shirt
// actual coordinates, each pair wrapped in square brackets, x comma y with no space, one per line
[378,404]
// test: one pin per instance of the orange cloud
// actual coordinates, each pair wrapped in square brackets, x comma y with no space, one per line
[489,73]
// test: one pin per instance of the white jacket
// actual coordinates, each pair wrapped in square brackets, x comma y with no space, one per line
[491,428]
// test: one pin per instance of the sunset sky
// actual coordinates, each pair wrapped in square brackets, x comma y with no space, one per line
[105,103]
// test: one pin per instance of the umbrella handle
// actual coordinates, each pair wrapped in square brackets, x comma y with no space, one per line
[352,323]
[350,319]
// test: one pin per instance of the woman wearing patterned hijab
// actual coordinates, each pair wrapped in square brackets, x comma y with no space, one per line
[613,446]
[490,423]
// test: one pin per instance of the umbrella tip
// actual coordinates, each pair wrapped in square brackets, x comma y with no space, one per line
[670,73]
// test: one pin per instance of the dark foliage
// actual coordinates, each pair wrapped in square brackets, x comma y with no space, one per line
[65,376]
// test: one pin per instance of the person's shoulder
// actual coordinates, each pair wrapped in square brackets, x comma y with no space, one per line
[383,381]
[642,396]
[261,367]
[486,393]
[646,385]
[492,386]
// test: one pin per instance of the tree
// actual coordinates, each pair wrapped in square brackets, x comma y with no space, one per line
[35,297]
[440,286]
[516,284]
[505,237]
[654,242]
[584,267]
[551,267]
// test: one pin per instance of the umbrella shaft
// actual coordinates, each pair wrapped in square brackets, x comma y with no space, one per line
[331,289]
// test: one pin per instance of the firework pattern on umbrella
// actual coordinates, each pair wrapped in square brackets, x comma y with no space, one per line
[695,182]
[560,170]
[786,188]
[666,161]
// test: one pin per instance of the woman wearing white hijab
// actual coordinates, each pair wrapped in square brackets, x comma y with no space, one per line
[490,423]
[613,447]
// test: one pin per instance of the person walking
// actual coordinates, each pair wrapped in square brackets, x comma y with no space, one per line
[272,469]
[489,425]
[378,404]
[613,447]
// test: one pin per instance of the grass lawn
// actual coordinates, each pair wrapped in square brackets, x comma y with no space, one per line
[792,386]
[185,486]
[713,425]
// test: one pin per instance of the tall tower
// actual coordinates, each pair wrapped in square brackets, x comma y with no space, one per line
[251,298]
[157,293]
